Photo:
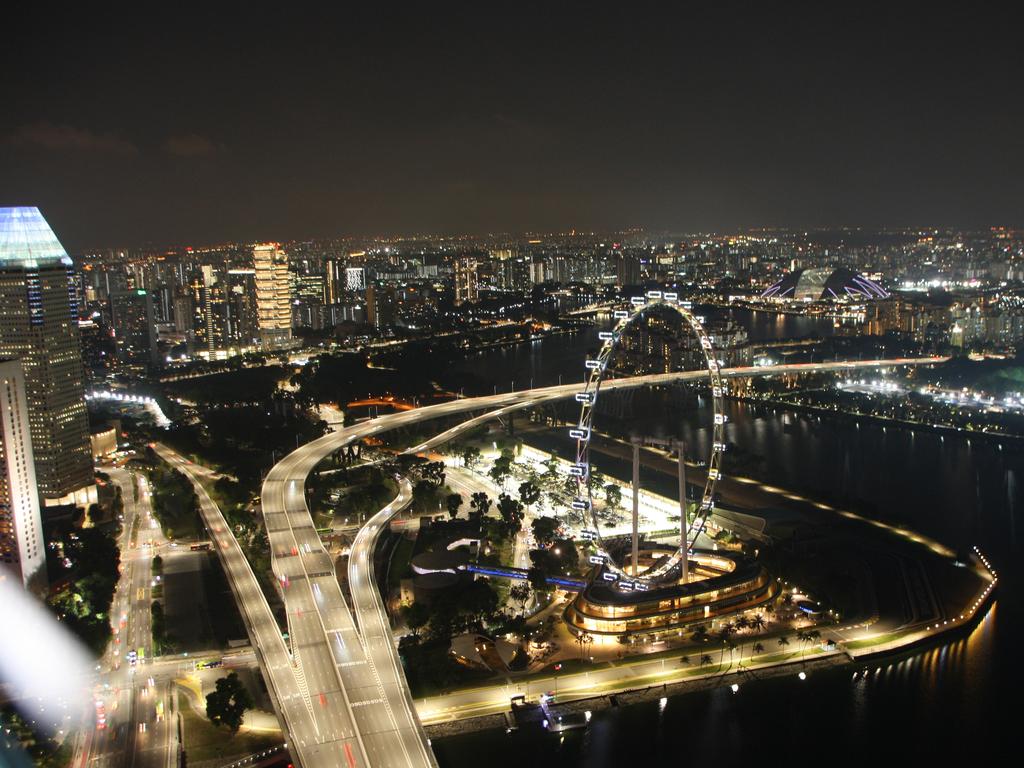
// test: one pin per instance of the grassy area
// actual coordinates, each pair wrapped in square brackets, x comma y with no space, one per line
[879,639]
[205,741]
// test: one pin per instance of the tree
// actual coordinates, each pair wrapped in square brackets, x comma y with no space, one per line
[502,466]
[529,493]
[520,593]
[552,466]
[470,456]
[453,502]
[415,616]
[556,559]
[705,659]
[783,642]
[511,512]
[570,486]
[538,579]
[544,529]
[480,502]
[613,495]
[756,649]
[227,704]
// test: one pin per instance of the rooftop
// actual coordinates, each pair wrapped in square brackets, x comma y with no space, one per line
[27,240]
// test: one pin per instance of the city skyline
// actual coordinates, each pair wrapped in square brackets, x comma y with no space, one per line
[393,387]
[382,124]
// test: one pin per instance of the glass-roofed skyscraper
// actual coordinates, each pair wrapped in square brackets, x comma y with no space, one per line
[39,326]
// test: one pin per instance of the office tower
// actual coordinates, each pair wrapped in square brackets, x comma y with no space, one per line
[21,530]
[212,301]
[355,279]
[39,325]
[466,287]
[514,274]
[242,324]
[273,296]
[332,281]
[381,306]
[627,270]
[537,271]
[308,285]
[134,326]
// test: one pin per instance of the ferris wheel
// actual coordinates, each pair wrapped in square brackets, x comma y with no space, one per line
[584,501]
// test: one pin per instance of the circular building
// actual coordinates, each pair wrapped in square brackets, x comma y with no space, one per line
[723,584]
[825,284]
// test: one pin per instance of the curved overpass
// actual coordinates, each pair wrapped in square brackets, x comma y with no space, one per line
[352,681]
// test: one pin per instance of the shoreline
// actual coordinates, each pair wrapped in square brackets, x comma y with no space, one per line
[916,639]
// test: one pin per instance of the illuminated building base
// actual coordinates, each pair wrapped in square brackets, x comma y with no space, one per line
[82,497]
[721,584]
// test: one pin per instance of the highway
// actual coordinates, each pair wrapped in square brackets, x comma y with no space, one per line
[360,699]
[134,733]
[350,694]
[375,630]
[309,745]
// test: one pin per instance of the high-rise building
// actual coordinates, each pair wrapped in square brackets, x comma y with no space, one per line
[332,281]
[213,301]
[39,326]
[466,284]
[134,326]
[242,323]
[355,279]
[381,306]
[627,270]
[273,296]
[21,530]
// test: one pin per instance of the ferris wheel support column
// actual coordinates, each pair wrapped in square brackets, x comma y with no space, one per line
[636,506]
[683,524]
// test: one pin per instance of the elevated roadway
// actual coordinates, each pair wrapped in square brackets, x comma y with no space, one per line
[355,692]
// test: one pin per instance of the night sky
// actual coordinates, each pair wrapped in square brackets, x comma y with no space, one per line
[197,126]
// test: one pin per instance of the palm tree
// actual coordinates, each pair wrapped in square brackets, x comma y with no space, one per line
[783,642]
[705,659]
[684,659]
[757,623]
[756,649]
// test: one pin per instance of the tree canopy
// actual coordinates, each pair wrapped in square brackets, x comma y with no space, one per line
[227,704]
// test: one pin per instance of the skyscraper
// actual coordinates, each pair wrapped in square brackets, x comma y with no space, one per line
[134,326]
[21,530]
[466,287]
[381,309]
[355,279]
[39,326]
[273,296]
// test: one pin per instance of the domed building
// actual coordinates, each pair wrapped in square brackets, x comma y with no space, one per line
[825,284]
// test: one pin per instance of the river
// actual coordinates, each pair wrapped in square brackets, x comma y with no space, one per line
[957,701]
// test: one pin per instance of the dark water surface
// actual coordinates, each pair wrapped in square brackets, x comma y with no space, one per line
[959,701]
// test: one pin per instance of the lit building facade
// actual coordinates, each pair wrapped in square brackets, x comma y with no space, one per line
[355,279]
[134,327]
[21,530]
[39,326]
[273,296]
[466,286]
[381,306]
[721,585]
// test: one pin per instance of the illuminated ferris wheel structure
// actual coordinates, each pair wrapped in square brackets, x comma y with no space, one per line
[640,306]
